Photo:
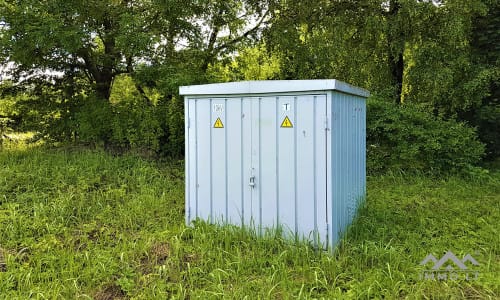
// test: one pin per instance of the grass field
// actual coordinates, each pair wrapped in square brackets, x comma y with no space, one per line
[82,224]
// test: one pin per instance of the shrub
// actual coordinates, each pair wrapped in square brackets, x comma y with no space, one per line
[173,141]
[406,138]
[123,125]
[93,121]
[135,124]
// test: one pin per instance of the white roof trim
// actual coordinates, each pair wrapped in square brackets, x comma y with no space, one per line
[271,86]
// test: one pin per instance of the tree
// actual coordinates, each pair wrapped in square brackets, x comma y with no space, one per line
[408,50]
[66,46]
[106,38]
[485,52]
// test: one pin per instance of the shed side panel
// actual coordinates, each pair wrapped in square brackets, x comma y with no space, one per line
[348,158]
[248,171]
[311,149]
[204,159]
[191,162]
[186,161]
[218,158]
[267,187]
[286,165]
[235,186]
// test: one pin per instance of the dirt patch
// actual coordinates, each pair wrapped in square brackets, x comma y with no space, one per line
[3,263]
[110,292]
[190,258]
[160,252]
[79,243]
[99,233]
[157,255]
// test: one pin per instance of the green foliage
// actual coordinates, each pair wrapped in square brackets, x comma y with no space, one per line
[133,55]
[78,53]
[487,119]
[252,63]
[7,111]
[86,224]
[135,125]
[129,122]
[486,53]
[442,72]
[405,138]
[174,144]
[93,119]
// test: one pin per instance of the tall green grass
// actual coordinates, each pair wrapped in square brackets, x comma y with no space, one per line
[84,224]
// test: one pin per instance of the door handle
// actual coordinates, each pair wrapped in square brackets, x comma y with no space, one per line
[252,181]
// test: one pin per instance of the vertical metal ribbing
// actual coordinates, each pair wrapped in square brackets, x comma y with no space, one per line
[226,216]
[196,156]
[363,155]
[314,173]
[358,150]
[295,132]
[187,162]
[241,165]
[329,116]
[259,180]
[277,164]
[211,218]
[252,220]
[342,161]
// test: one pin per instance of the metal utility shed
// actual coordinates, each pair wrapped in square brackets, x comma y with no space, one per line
[288,153]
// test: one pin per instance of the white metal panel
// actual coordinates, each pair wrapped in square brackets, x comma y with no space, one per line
[268,188]
[305,135]
[204,159]
[255,199]
[330,202]
[235,176]
[286,166]
[218,159]
[320,159]
[348,159]
[187,160]
[248,169]
[192,162]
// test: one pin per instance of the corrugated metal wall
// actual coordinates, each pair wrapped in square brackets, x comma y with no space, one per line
[348,162]
[288,165]
[307,178]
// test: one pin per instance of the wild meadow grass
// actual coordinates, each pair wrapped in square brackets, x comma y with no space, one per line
[83,224]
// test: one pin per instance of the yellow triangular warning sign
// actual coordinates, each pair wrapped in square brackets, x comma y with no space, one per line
[218,123]
[286,123]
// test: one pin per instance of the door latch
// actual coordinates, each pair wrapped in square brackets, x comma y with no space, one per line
[252,181]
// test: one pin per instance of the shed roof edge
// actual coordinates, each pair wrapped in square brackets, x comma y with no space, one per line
[272,86]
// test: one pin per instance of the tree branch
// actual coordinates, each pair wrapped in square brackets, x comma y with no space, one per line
[90,66]
[143,93]
[343,6]
[244,35]
[130,70]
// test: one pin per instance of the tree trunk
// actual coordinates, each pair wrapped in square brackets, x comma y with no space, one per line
[103,86]
[397,67]
[395,44]
[102,77]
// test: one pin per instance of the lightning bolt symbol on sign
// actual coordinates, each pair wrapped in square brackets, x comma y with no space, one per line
[218,123]
[286,123]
